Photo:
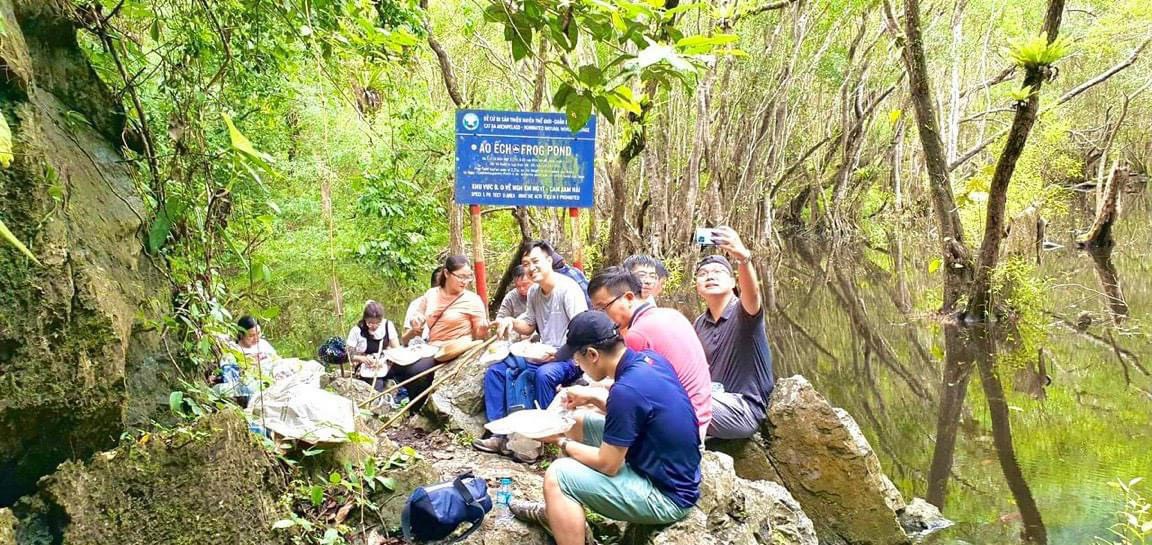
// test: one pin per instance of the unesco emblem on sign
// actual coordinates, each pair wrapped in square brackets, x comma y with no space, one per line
[471,121]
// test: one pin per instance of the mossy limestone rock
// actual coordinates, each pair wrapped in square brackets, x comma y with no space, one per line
[732,511]
[68,334]
[828,465]
[209,483]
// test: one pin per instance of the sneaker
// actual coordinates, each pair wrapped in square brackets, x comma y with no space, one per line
[533,511]
[529,511]
[497,444]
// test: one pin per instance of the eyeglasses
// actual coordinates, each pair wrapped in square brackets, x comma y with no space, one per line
[467,279]
[718,271]
[602,308]
[646,275]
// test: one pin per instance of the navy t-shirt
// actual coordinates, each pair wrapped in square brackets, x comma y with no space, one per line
[649,413]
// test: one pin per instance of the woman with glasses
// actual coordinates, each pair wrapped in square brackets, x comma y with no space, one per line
[448,312]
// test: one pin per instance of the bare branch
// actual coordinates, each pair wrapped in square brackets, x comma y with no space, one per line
[1101,78]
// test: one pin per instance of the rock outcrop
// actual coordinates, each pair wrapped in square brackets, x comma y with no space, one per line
[209,483]
[459,401]
[733,511]
[71,357]
[828,465]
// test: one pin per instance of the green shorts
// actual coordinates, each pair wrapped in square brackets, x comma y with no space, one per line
[628,496]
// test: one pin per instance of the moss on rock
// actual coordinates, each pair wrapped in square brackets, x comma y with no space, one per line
[208,483]
[68,330]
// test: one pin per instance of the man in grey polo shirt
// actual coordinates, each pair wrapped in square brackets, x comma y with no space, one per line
[735,343]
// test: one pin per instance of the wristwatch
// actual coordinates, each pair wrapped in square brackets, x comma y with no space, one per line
[563,444]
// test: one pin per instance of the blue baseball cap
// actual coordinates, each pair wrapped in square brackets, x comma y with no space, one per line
[586,329]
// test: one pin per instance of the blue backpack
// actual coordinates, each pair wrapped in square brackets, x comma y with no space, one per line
[521,390]
[434,512]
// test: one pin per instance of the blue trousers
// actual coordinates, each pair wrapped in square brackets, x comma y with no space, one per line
[549,377]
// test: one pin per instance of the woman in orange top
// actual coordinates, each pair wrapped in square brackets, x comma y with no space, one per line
[450,311]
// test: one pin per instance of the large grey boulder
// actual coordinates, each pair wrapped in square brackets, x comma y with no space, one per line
[458,402]
[211,482]
[732,511]
[828,465]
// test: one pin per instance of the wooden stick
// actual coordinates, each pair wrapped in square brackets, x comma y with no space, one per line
[471,352]
[458,365]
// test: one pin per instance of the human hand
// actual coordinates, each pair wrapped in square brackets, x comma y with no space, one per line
[578,396]
[503,327]
[728,240]
[417,323]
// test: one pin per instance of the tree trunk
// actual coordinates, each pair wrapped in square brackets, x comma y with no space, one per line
[1107,210]
[954,252]
[953,391]
[1034,77]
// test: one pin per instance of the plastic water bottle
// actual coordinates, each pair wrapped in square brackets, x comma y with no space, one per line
[504,498]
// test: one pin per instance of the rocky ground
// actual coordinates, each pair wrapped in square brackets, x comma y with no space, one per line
[808,478]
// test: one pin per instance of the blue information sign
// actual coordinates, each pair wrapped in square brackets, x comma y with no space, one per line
[523,159]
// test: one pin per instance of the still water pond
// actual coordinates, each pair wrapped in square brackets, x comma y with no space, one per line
[860,327]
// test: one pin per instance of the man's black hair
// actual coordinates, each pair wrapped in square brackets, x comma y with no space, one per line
[543,245]
[517,271]
[618,281]
[643,260]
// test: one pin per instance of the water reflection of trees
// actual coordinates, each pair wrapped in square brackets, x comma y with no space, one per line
[966,349]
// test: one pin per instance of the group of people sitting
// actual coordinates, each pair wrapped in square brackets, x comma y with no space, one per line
[650,386]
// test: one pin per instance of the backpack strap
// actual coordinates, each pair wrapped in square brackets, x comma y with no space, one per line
[472,504]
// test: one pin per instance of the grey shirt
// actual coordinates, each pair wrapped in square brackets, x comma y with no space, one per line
[551,313]
[513,305]
[736,346]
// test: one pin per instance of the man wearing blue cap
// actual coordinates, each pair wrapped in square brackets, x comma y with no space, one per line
[732,333]
[640,461]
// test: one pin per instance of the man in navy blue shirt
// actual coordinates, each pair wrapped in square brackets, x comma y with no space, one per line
[640,461]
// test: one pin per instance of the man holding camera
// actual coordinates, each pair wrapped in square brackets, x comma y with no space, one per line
[732,333]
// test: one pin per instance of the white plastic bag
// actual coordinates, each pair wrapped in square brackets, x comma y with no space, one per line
[298,409]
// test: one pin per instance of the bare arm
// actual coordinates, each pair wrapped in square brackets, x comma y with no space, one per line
[607,459]
[749,282]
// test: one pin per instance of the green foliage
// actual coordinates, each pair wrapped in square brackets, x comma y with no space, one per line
[1135,526]
[402,241]
[323,506]
[1035,51]
[645,41]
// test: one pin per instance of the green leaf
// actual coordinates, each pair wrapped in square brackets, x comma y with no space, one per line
[605,109]
[176,403]
[934,265]
[241,144]
[707,42]
[316,494]
[11,238]
[579,109]
[335,477]
[560,99]
[387,482]
[591,76]
[6,155]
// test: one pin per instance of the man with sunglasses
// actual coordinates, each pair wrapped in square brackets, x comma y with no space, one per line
[617,292]
[732,333]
